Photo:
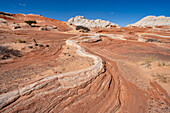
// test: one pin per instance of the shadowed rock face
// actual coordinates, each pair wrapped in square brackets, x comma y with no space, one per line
[153,21]
[81,20]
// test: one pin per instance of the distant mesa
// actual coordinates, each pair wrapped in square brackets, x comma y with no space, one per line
[152,21]
[81,20]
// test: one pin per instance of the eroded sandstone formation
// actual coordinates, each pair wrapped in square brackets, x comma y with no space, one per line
[107,70]
[81,20]
[12,20]
[153,21]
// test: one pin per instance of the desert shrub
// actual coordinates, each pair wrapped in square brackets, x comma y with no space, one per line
[8,52]
[19,40]
[30,22]
[41,45]
[3,50]
[161,77]
[147,61]
[30,47]
[153,40]
[160,64]
[82,28]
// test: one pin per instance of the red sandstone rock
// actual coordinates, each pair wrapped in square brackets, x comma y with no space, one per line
[109,75]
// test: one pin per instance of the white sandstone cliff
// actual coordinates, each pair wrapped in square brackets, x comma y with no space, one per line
[152,21]
[81,20]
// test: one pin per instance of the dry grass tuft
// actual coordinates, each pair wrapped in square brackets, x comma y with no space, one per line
[164,78]
[147,62]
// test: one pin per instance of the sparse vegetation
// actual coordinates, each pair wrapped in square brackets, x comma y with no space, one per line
[30,47]
[147,61]
[65,53]
[153,40]
[7,53]
[161,77]
[82,29]
[160,64]
[30,22]
[41,45]
[19,40]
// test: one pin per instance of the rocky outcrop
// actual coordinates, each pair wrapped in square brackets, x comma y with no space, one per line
[2,20]
[113,36]
[152,21]
[41,20]
[67,80]
[57,80]
[14,26]
[6,15]
[47,28]
[81,20]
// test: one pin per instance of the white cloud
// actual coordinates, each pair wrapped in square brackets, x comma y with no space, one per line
[22,4]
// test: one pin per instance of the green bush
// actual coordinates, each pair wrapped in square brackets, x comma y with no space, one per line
[30,22]
[82,29]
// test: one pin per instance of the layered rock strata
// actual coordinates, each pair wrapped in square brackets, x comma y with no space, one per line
[81,20]
[66,81]
[152,21]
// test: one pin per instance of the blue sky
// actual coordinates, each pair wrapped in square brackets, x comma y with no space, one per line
[121,12]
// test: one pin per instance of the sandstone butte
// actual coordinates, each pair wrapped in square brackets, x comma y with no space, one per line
[49,66]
